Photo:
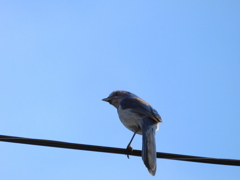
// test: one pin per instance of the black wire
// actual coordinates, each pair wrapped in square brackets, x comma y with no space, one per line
[60,144]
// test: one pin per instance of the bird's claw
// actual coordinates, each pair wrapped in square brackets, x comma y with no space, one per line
[130,150]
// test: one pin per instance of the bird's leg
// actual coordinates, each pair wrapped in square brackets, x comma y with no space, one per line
[129,148]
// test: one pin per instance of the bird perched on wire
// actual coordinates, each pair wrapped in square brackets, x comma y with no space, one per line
[139,117]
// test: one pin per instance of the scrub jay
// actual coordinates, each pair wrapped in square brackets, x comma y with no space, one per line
[139,117]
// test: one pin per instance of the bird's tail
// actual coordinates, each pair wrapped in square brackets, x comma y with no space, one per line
[148,144]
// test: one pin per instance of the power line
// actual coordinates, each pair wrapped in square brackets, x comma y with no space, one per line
[60,144]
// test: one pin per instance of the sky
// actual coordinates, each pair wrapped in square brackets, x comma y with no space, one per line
[58,59]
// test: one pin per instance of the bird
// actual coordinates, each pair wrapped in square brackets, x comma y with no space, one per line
[141,118]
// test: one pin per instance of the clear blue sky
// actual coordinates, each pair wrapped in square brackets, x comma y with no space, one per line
[58,59]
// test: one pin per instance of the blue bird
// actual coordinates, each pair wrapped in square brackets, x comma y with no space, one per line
[139,117]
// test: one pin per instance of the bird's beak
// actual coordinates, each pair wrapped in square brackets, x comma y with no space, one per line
[106,99]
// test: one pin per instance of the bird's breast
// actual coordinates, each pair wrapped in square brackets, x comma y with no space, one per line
[130,120]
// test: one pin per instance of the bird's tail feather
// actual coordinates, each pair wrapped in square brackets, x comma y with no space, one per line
[148,144]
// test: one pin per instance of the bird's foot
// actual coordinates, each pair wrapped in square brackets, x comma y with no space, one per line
[130,150]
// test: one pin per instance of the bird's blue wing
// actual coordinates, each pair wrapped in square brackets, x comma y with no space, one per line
[137,105]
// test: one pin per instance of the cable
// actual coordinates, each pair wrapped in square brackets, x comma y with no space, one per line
[67,145]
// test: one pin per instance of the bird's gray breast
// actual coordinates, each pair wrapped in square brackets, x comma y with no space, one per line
[130,120]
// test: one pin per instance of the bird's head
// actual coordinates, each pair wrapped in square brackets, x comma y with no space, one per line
[117,96]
